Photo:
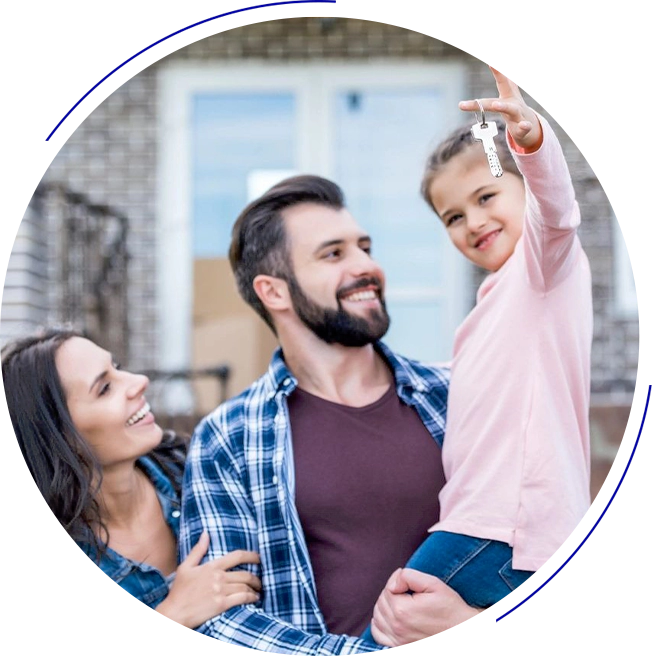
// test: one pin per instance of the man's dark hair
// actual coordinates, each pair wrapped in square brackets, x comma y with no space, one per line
[258,240]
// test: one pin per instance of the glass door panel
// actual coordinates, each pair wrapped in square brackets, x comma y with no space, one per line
[236,138]
[382,139]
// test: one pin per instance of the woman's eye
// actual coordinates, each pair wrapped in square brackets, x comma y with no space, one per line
[333,254]
[104,389]
[485,197]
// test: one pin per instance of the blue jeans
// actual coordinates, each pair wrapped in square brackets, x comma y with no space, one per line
[480,571]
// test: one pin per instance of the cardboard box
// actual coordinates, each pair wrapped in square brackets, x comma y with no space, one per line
[226,331]
[214,291]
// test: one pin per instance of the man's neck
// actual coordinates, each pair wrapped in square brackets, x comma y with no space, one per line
[350,376]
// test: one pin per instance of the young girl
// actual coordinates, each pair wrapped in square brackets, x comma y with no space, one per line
[516,452]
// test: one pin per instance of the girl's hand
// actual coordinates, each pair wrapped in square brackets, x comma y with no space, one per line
[522,122]
[200,592]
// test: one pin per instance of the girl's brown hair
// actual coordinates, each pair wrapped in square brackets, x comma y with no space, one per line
[458,142]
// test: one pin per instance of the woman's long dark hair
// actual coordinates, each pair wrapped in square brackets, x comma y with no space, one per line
[63,466]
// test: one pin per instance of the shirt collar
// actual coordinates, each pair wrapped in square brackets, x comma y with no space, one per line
[281,380]
[279,377]
[408,380]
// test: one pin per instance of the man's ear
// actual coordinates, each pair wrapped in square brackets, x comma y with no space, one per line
[272,292]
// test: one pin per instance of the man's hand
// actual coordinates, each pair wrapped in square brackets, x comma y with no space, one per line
[433,607]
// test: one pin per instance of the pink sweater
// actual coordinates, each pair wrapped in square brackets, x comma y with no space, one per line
[516,452]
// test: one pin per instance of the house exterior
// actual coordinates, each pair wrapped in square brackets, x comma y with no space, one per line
[180,148]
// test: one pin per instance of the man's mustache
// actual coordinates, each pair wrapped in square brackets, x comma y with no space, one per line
[361,284]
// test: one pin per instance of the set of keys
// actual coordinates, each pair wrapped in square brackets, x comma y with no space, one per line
[485,131]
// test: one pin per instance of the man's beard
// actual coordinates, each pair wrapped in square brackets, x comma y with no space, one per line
[339,326]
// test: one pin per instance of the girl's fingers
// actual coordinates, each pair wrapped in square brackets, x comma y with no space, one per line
[506,88]
[512,111]
[491,105]
[472,105]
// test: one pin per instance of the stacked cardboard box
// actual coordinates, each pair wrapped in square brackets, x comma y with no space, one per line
[226,331]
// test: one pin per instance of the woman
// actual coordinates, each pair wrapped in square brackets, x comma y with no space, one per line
[112,477]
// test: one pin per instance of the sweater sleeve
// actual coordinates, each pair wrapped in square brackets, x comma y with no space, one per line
[552,216]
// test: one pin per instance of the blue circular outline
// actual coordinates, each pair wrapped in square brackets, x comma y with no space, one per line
[169,36]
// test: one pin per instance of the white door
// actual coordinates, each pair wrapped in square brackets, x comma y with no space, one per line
[368,127]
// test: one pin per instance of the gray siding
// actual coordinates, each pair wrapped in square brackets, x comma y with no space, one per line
[24,298]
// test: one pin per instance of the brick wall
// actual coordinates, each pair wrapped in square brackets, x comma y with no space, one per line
[111,158]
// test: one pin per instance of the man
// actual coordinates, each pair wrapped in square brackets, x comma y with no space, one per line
[329,465]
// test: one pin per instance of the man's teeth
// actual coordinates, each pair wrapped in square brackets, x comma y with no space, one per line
[135,418]
[362,296]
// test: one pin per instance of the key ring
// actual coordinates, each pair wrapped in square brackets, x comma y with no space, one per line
[482,122]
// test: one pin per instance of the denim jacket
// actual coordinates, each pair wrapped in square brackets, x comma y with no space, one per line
[143,581]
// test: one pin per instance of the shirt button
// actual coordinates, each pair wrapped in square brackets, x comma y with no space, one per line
[286,382]
[275,480]
[176,513]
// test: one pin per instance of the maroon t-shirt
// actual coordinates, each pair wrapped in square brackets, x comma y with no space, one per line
[367,486]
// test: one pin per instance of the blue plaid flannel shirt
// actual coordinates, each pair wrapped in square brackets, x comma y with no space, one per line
[239,486]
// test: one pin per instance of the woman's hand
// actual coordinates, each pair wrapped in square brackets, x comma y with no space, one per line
[200,592]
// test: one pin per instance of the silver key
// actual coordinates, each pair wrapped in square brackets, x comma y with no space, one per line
[485,131]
